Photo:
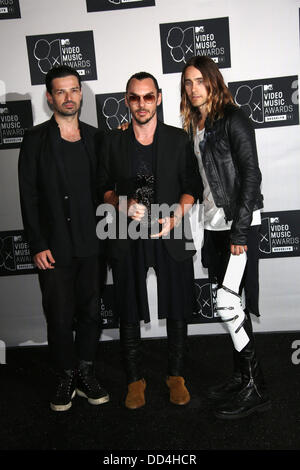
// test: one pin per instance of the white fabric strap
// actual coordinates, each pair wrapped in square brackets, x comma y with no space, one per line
[229,303]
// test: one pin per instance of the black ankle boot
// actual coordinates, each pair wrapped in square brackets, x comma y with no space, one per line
[64,390]
[88,385]
[233,384]
[130,341]
[252,396]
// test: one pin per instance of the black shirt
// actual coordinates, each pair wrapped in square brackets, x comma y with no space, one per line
[142,172]
[83,218]
[142,164]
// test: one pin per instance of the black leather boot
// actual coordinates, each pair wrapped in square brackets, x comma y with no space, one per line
[130,339]
[177,334]
[224,390]
[252,396]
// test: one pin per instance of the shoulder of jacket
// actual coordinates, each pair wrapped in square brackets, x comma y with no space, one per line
[38,128]
[88,127]
[35,133]
[232,112]
[173,130]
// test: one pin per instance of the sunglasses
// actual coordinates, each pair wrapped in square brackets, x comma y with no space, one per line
[149,98]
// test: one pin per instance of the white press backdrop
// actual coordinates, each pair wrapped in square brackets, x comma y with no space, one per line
[264,39]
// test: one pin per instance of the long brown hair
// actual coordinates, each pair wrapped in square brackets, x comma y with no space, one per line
[218,93]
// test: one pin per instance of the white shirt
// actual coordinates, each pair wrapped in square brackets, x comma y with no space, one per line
[214,217]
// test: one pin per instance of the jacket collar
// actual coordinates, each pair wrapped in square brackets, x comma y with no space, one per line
[56,139]
[160,143]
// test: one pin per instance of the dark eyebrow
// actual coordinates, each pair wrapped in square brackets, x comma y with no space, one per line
[191,79]
[64,89]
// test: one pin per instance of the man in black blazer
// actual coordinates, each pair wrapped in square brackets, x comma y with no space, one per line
[57,177]
[150,164]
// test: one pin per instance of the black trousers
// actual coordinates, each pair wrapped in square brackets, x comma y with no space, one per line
[70,296]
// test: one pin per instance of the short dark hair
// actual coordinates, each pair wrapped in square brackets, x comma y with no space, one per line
[142,76]
[59,72]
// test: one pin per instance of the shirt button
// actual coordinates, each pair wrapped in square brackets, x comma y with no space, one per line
[66,197]
[69,219]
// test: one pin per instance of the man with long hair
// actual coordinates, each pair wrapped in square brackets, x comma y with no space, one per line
[224,143]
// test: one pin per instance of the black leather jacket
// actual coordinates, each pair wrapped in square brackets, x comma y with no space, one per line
[230,161]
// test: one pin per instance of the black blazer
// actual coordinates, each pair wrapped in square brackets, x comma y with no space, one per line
[176,173]
[45,200]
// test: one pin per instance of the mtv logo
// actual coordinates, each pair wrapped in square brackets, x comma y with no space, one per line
[17,238]
[3,110]
[81,72]
[65,42]
[199,29]
[268,87]
[274,220]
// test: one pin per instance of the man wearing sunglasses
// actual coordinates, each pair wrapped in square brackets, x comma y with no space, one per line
[150,164]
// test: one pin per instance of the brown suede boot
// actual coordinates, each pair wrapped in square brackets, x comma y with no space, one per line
[136,397]
[179,394]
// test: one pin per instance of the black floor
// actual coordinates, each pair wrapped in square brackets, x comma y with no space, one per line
[27,423]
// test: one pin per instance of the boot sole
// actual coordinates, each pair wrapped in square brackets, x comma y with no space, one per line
[259,409]
[93,401]
[62,407]
[135,407]
[181,403]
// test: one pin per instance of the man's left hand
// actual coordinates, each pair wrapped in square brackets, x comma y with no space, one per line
[168,224]
[238,249]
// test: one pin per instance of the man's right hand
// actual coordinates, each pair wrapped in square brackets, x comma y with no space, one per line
[135,210]
[44,260]
[124,126]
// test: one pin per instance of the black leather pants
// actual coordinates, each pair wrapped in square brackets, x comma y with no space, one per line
[130,339]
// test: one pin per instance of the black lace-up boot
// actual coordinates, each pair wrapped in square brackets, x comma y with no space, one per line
[88,385]
[64,390]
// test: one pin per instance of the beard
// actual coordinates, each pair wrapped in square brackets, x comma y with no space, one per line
[65,111]
[145,120]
